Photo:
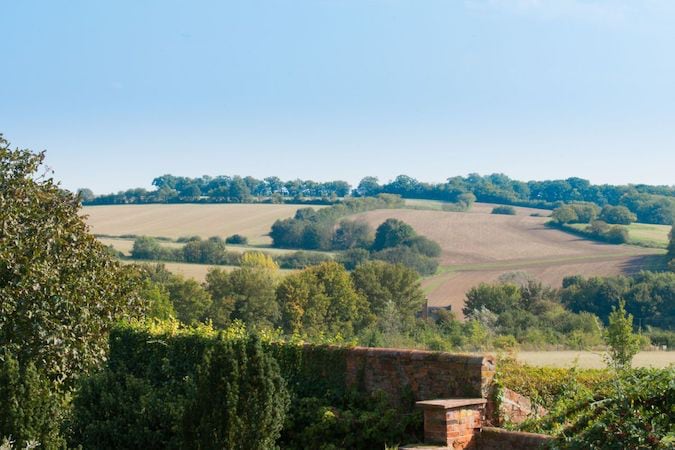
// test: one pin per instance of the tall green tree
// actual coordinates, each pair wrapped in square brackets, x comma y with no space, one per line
[352,234]
[392,233]
[390,289]
[240,400]
[622,343]
[190,300]
[618,215]
[497,298]
[321,300]
[60,289]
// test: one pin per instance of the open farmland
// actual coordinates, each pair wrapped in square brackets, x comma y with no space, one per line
[480,247]
[477,246]
[592,360]
[173,221]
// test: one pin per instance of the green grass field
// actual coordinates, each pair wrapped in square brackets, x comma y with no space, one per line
[644,234]
[649,234]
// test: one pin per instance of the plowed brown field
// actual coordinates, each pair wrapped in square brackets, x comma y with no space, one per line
[479,247]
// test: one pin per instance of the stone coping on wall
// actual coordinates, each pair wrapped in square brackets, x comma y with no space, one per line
[450,403]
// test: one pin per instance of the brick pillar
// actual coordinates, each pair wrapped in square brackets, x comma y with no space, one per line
[452,422]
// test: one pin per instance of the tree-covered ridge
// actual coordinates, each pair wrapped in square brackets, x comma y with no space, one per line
[651,204]
[223,189]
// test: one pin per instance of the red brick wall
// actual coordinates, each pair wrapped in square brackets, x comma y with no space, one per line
[430,375]
[500,439]
[513,408]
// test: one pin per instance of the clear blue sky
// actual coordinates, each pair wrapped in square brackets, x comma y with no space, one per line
[118,92]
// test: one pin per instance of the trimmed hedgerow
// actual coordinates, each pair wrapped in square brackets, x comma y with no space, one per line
[170,387]
[182,390]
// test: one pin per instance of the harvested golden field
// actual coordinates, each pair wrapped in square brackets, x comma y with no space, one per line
[173,221]
[189,270]
[479,247]
[592,360]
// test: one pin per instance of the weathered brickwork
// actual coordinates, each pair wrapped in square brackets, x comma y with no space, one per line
[452,422]
[512,408]
[428,375]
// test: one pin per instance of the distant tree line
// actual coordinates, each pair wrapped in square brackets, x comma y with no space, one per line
[224,189]
[213,251]
[650,204]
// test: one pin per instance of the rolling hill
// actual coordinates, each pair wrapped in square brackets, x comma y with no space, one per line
[477,246]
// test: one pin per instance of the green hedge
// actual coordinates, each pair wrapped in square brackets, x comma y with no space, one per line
[187,390]
[30,409]
[165,387]
[633,409]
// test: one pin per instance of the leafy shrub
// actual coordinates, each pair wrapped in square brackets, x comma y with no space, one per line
[616,235]
[633,409]
[545,385]
[619,215]
[423,265]
[508,210]
[210,251]
[360,422]
[565,214]
[423,246]
[146,248]
[301,260]
[237,239]
[352,233]
[597,230]
[184,239]
[353,257]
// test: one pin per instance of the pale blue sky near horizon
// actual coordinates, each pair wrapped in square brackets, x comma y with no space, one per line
[120,92]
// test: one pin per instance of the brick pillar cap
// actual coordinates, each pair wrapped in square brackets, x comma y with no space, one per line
[450,403]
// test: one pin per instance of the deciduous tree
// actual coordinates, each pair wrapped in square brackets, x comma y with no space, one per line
[60,289]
